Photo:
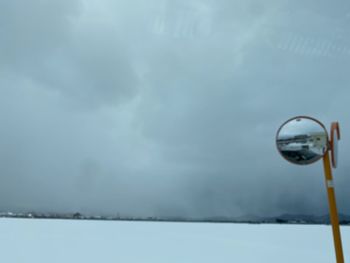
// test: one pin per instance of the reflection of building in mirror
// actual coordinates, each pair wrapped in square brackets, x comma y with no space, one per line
[303,148]
[319,141]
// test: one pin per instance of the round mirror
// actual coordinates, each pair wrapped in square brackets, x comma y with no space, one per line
[302,140]
[335,136]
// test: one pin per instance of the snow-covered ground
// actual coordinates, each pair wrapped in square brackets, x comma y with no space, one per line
[34,240]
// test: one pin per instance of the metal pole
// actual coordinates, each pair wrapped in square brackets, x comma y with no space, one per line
[333,209]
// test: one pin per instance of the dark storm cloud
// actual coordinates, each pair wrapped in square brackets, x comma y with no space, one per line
[166,108]
[57,47]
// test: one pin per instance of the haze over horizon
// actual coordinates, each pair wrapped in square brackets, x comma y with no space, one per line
[168,107]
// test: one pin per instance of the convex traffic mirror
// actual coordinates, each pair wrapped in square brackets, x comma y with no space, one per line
[335,137]
[302,140]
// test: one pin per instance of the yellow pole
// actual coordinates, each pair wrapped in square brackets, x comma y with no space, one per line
[333,209]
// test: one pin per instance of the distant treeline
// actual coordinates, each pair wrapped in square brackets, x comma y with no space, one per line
[283,219]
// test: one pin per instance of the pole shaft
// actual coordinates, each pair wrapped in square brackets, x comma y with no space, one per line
[333,209]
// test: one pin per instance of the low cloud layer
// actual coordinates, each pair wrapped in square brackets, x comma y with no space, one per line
[168,107]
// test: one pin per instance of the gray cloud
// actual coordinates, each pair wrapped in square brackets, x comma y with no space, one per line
[167,108]
[56,46]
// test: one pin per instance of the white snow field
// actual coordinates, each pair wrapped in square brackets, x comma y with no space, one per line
[37,240]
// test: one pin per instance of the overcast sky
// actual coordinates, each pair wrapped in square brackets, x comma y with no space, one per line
[162,107]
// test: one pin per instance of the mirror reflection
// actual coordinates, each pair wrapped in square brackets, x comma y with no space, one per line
[302,140]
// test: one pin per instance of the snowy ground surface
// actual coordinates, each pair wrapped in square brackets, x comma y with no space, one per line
[35,240]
